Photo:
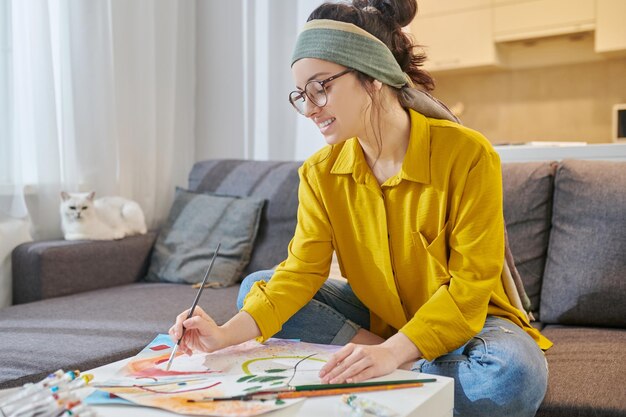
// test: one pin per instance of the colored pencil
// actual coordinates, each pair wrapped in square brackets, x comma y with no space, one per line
[319,390]
[353,385]
[341,391]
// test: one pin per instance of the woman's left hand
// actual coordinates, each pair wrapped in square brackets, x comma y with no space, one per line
[355,363]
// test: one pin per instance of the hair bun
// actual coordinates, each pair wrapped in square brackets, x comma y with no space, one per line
[395,12]
[384,19]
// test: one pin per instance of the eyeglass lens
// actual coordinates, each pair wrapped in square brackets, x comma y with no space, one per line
[315,92]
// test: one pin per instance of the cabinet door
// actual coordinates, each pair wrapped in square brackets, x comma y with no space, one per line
[525,19]
[456,40]
[429,7]
[610,25]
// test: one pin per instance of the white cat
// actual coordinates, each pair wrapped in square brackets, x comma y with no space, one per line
[106,218]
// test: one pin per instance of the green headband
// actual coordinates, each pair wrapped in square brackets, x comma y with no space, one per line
[349,45]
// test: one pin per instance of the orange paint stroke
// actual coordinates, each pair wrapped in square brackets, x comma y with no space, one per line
[147,368]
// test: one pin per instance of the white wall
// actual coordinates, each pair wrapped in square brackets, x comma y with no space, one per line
[219,75]
[5,150]
[283,33]
[308,137]
[244,77]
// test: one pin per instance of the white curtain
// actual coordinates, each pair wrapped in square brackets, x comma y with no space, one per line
[275,130]
[244,79]
[100,96]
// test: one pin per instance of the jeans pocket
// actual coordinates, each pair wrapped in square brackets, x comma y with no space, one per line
[477,349]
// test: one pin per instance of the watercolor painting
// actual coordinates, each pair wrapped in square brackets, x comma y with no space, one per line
[193,380]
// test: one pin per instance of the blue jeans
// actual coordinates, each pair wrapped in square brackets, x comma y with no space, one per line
[332,317]
[499,372]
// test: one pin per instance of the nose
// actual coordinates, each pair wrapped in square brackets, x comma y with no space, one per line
[310,108]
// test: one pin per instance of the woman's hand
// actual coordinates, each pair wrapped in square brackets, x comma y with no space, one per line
[356,363]
[201,332]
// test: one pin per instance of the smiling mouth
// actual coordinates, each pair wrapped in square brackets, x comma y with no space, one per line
[326,123]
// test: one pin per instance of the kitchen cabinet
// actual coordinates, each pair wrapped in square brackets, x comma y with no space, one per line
[476,34]
[430,7]
[527,19]
[456,40]
[610,26]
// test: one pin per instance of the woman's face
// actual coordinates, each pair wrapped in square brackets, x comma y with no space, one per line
[347,105]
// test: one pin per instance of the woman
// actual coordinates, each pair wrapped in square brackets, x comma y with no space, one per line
[412,206]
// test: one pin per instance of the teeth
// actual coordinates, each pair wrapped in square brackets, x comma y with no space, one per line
[327,122]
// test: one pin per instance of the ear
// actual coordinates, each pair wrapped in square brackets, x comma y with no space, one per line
[64,196]
[91,195]
[377,85]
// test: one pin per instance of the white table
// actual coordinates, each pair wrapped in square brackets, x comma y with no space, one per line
[434,399]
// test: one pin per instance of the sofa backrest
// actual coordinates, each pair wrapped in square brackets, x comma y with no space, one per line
[527,192]
[584,281]
[276,182]
[527,208]
[584,228]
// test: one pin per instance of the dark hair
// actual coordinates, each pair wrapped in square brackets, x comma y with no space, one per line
[385,20]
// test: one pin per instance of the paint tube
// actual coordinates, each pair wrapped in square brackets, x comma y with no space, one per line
[361,406]
[53,396]
[31,388]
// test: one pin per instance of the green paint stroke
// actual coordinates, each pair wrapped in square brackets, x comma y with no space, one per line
[279,402]
[263,379]
[255,388]
[245,378]
[273,371]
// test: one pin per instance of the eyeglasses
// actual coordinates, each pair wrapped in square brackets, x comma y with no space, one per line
[315,91]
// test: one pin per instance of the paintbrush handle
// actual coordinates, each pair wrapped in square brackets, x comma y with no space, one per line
[271,395]
[206,275]
[193,307]
[340,391]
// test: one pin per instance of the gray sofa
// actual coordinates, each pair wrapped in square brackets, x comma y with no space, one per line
[83,304]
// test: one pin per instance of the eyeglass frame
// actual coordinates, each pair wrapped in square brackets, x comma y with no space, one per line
[302,93]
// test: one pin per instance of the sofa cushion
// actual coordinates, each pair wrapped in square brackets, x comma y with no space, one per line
[189,237]
[528,188]
[94,328]
[586,372]
[583,283]
[276,182]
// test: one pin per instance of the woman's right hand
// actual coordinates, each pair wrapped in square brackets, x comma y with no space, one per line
[201,332]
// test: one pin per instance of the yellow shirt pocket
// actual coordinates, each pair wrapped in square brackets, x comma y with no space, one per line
[435,258]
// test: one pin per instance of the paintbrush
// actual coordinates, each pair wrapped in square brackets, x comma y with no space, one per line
[193,307]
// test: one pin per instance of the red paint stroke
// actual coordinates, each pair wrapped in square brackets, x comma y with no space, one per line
[160,361]
[160,347]
[175,392]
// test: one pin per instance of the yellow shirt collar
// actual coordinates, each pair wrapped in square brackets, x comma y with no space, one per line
[416,164]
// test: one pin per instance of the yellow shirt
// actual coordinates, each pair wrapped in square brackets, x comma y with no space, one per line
[424,251]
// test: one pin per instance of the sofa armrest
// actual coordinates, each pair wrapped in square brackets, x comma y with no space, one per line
[55,268]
